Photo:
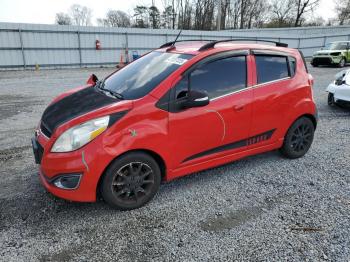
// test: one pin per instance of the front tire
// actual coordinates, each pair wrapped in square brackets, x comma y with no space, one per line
[331,101]
[342,63]
[131,181]
[298,139]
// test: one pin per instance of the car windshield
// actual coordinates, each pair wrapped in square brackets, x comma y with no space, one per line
[143,75]
[336,46]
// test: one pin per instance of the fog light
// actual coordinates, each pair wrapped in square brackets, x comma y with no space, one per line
[69,181]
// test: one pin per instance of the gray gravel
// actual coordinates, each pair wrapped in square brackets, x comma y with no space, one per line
[260,208]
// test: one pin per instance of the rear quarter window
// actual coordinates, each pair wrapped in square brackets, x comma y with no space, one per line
[292,65]
[270,68]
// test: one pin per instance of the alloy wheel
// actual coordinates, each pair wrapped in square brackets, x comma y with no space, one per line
[133,182]
[301,138]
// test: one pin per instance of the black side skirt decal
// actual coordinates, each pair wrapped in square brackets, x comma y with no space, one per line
[245,142]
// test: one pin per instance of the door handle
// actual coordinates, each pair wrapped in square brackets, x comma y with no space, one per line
[238,107]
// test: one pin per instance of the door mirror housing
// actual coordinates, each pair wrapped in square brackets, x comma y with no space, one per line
[92,80]
[195,99]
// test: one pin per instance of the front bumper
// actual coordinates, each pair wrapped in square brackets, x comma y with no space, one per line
[341,92]
[83,162]
[325,60]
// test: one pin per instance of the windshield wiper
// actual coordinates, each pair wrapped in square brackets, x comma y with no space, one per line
[100,85]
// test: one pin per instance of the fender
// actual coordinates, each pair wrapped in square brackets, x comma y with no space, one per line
[304,106]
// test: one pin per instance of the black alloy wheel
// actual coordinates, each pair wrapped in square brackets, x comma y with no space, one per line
[131,181]
[299,138]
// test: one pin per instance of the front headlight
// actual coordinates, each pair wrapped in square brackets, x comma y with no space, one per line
[80,135]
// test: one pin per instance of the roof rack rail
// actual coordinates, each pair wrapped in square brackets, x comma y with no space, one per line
[213,43]
[187,40]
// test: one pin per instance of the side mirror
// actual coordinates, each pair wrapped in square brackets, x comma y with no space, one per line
[92,80]
[195,99]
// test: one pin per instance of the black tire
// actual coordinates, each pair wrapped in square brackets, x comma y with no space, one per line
[342,63]
[131,181]
[314,65]
[298,139]
[331,101]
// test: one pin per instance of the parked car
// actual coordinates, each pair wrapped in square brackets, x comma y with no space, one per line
[185,107]
[334,53]
[339,89]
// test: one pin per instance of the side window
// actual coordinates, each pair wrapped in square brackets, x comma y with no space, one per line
[270,68]
[220,77]
[292,65]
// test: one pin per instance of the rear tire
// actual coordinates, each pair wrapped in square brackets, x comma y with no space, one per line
[131,181]
[298,139]
[331,101]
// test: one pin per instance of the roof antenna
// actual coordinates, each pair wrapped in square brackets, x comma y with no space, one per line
[173,44]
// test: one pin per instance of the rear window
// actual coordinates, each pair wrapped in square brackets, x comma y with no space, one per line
[270,68]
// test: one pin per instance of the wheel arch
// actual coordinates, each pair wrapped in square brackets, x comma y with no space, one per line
[307,115]
[310,116]
[160,161]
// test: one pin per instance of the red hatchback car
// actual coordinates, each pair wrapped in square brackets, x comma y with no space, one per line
[182,108]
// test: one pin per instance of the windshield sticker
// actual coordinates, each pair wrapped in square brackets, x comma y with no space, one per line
[176,60]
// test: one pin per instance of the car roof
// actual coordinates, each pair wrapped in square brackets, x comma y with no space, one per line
[193,47]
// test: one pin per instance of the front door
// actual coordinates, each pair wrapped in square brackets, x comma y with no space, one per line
[221,127]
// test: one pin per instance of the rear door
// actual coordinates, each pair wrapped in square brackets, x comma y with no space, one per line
[275,94]
[203,133]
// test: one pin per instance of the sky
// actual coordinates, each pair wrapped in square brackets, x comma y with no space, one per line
[44,11]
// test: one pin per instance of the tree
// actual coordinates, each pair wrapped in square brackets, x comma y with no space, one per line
[316,21]
[185,13]
[302,7]
[167,16]
[281,12]
[256,13]
[343,11]
[204,14]
[81,15]
[63,19]
[154,16]
[115,18]
[141,16]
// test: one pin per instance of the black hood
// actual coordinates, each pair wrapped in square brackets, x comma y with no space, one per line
[71,106]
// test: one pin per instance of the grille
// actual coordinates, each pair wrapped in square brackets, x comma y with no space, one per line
[45,130]
[322,60]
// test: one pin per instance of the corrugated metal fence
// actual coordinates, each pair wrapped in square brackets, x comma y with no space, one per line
[27,45]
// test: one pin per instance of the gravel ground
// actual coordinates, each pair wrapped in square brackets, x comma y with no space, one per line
[260,208]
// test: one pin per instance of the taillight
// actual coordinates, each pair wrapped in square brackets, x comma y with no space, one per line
[311,80]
